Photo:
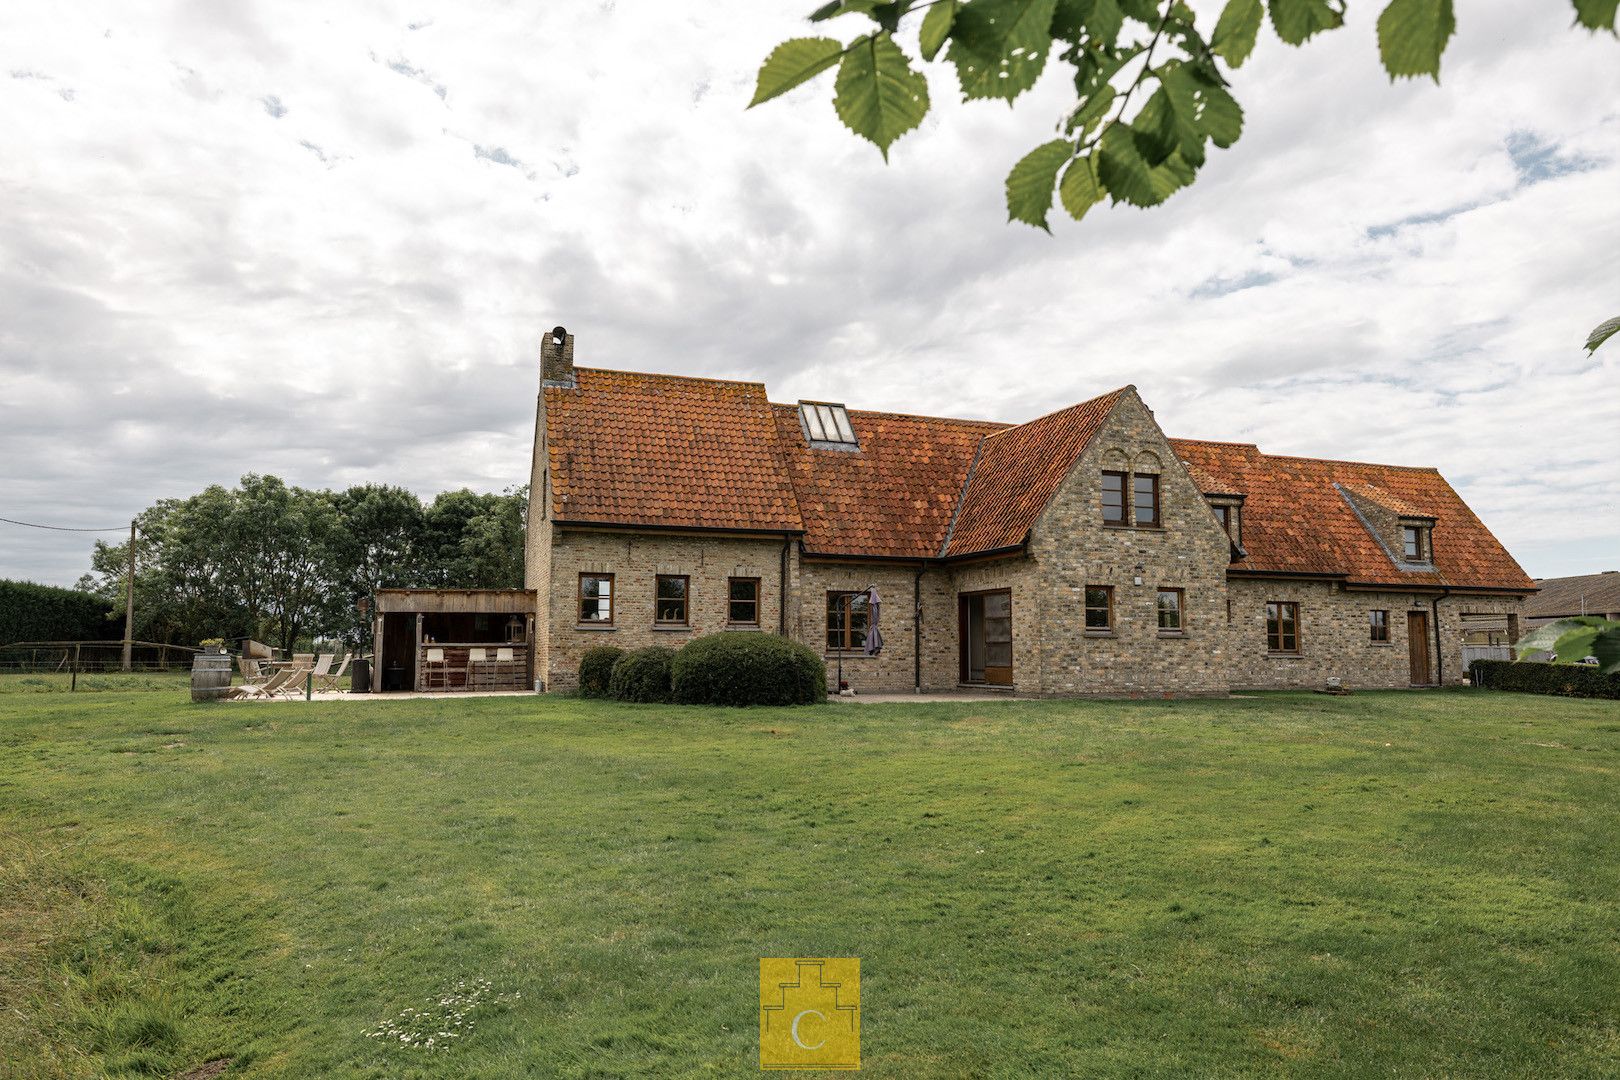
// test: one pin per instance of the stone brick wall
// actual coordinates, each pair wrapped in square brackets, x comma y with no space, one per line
[635,559]
[1071,548]
[892,671]
[1335,636]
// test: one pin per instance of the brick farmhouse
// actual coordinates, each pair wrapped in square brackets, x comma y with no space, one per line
[1083,552]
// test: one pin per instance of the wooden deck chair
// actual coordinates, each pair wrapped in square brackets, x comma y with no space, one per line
[294,685]
[271,686]
[333,680]
[324,665]
[252,673]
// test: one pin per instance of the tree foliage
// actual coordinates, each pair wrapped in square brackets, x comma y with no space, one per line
[1152,91]
[282,563]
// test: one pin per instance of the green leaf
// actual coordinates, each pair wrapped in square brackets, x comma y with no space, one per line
[877,95]
[936,26]
[999,47]
[1236,31]
[1576,645]
[1545,638]
[1081,187]
[1132,180]
[1596,14]
[1296,21]
[1412,34]
[1105,21]
[1092,109]
[1216,112]
[1603,331]
[1143,11]
[1029,185]
[1606,647]
[843,7]
[792,63]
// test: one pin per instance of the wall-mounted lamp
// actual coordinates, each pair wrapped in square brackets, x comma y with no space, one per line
[1137,580]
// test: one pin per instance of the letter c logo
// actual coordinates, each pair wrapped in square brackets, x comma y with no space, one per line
[800,1043]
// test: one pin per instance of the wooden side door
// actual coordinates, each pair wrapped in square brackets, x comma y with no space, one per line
[1417,644]
[998,660]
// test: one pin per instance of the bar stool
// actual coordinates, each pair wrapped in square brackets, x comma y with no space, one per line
[506,666]
[435,672]
[477,668]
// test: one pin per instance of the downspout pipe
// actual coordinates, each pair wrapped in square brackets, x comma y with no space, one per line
[781,594]
[916,630]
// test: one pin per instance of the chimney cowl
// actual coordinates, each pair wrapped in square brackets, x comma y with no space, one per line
[557,358]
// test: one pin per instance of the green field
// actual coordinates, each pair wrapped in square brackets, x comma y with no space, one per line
[1414,884]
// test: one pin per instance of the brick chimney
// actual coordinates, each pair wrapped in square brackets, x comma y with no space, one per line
[557,358]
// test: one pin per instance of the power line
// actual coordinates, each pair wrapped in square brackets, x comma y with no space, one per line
[58,528]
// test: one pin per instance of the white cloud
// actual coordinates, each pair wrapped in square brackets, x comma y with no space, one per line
[323,240]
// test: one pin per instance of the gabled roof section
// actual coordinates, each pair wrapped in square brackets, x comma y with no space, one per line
[1296,521]
[1017,473]
[635,449]
[1587,594]
[895,497]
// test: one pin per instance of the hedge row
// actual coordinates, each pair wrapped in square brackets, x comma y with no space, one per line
[1565,680]
[30,612]
[717,669]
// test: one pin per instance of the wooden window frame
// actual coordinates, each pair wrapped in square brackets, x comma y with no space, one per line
[1375,624]
[1280,649]
[1420,541]
[1086,609]
[686,600]
[756,601]
[846,644]
[612,601]
[1223,514]
[1158,516]
[1181,611]
[1124,500]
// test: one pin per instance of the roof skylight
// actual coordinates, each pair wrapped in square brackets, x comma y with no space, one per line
[826,423]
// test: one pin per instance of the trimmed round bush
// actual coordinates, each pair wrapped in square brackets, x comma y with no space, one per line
[738,668]
[596,668]
[642,675]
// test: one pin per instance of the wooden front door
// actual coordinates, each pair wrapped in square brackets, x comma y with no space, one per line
[1417,644]
[985,625]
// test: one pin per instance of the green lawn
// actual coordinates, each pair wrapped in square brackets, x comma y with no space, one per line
[1412,884]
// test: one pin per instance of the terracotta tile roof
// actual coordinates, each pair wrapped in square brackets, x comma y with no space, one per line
[638,449]
[1296,521]
[1018,471]
[1587,594]
[1386,498]
[896,496]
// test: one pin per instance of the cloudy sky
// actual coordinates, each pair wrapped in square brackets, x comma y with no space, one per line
[322,240]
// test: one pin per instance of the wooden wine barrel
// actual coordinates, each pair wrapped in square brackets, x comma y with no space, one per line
[210,676]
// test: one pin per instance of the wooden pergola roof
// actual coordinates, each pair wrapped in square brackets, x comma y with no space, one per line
[459,601]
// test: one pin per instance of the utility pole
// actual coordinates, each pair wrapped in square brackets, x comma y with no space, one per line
[129,599]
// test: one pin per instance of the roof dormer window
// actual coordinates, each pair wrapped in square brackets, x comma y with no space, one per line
[826,424]
[1415,542]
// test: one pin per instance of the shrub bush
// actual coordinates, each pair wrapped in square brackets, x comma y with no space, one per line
[739,668]
[30,612]
[596,668]
[1565,680]
[642,675]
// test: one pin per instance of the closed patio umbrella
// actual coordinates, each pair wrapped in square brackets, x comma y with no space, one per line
[874,636]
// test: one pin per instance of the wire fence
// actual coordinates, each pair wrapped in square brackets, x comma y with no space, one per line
[66,657]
